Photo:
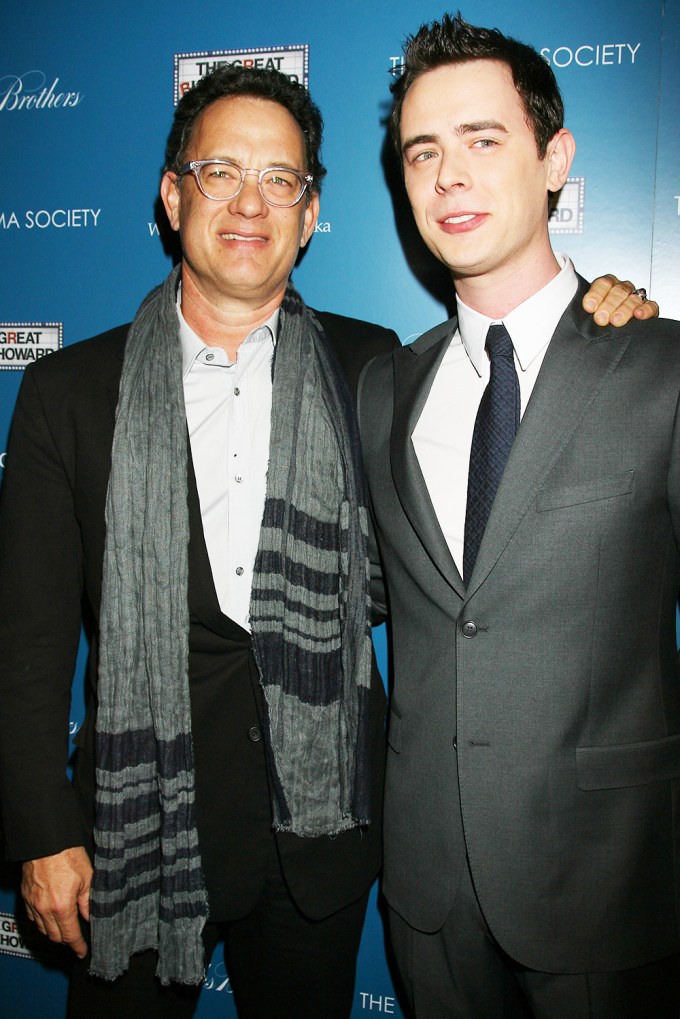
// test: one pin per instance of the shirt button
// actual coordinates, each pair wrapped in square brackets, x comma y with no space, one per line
[209,357]
[238,478]
[237,391]
[469,628]
[254,734]
[239,571]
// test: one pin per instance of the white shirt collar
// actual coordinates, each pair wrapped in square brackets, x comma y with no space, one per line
[193,346]
[530,325]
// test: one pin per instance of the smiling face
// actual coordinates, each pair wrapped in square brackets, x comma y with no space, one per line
[240,251]
[477,186]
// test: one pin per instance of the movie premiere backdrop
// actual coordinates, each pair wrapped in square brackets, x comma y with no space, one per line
[87,94]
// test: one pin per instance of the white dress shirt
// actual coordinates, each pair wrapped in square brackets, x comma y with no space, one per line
[228,407]
[443,435]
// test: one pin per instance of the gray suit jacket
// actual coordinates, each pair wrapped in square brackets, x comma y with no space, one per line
[535,719]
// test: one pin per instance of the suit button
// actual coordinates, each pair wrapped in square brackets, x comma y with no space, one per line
[469,628]
[254,734]
[455,745]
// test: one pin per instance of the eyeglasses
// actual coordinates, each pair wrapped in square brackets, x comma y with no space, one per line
[220,180]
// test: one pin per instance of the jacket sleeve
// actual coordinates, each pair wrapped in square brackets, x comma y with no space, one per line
[40,591]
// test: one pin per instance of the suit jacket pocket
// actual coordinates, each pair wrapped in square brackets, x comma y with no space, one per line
[628,764]
[394,732]
[591,491]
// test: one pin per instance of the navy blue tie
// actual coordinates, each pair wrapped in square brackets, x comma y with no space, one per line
[495,428]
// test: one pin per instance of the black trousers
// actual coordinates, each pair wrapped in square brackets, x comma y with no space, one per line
[460,972]
[280,964]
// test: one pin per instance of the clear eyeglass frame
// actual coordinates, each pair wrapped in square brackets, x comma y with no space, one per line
[195,167]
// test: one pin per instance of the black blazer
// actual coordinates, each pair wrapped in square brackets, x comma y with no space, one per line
[51,546]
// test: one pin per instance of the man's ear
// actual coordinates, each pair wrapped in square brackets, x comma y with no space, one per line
[170,193]
[310,218]
[559,157]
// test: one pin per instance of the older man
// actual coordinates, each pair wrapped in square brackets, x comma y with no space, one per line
[238,713]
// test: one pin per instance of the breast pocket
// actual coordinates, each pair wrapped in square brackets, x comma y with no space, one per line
[612,487]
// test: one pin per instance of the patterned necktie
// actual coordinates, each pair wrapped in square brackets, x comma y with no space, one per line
[495,427]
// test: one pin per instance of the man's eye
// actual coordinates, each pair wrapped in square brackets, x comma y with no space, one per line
[424,157]
[222,173]
[281,180]
[485,143]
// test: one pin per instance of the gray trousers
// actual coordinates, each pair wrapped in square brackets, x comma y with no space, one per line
[460,972]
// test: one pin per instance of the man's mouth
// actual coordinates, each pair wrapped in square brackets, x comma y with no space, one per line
[462,222]
[241,237]
[465,217]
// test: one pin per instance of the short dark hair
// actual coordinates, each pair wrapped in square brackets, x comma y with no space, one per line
[235,80]
[454,41]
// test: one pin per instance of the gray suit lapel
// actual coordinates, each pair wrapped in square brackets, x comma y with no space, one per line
[580,357]
[414,374]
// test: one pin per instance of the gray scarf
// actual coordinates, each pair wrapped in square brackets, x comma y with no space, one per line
[310,635]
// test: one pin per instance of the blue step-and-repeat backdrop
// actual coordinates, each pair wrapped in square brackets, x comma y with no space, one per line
[87,94]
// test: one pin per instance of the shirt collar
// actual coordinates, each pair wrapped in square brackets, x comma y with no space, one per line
[193,346]
[530,325]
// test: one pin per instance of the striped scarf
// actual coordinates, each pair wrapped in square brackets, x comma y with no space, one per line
[310,635]
[310,602]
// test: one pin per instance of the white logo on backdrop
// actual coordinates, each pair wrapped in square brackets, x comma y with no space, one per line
[42,219]
[216,979]
[608,54]
[384,1003]
[30,91]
